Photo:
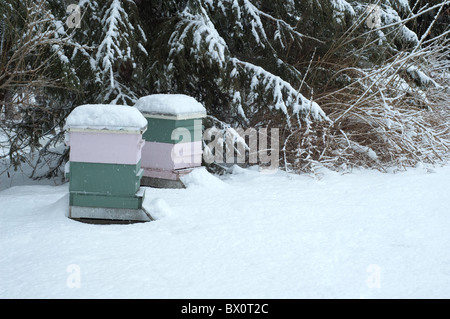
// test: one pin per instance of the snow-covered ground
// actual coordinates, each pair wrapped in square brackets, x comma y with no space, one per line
[245,235]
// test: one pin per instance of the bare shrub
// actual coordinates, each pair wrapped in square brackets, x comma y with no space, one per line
[390,116]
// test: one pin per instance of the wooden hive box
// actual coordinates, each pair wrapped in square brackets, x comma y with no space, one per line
[173,140]
[105,162]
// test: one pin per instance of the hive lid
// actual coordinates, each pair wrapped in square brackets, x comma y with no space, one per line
[176,106]
[106,117]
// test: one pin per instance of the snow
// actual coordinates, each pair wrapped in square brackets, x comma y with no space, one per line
[364,150]
[243,235]
[203,34]
[170,104]
[278,86]
[106,116]
[409,35]
[109,48]
[421,77]
[404,4]
[63,58]
[201,178]
[390,16]
[343,6]
[158,208]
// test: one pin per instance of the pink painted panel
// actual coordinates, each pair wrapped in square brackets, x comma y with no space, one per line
[109,148]
[167,156]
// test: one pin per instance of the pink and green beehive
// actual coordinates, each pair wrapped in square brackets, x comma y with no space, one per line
[173,140]
[105,162]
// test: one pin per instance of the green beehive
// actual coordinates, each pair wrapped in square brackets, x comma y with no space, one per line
[105,163]
[173,140]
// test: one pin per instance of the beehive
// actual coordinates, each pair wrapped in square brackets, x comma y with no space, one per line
[173,140]
[105,162]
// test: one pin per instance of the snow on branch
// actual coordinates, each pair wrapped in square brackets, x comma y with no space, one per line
[256,21]
[343,6]
[259,29]
[204,35]
[279,89]
[279,22]
[109,49]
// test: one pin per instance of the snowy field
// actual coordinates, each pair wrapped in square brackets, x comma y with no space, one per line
[245,235]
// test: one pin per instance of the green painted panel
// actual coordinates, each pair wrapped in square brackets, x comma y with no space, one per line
[160,130]
[106,179]
[91,200]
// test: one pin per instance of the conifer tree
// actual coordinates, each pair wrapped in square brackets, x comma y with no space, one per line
[112,63]
[231,56]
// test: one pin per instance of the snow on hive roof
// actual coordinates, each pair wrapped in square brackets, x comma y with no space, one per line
[176,105]
[106,116]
